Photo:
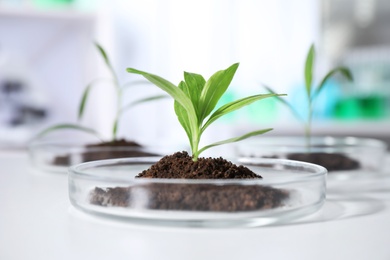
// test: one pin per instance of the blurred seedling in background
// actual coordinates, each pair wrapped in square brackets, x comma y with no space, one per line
[120,109]
[312,91]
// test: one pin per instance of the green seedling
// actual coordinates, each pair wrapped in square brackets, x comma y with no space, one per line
[312,92]
[196,100]
[120,110]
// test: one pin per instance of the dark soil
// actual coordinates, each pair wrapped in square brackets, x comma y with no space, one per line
[181,166]
[193,197]
[94,155]
[331,161]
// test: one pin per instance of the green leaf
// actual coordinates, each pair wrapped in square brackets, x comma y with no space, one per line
[194,84]
[103,54]
[85,96]
[84,100]
[186,90]
[182,116]
[342,70]
[115,128]
[177,94]
[135,83]
[234,139]
[309,70]
[235,105]
[142,100]
[213,90]
[108,63]
[66,126]
[284,102]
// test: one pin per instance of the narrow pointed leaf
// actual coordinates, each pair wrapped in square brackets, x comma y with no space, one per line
[108,63]
[182,114]
[134,83]
[309,70]
[284,102]
[85,95]
[235,105]
[214,88]
[235,139]
[175,92]
[115,128]
[186,90]
[142,100]
[179,96]
[66,126]
[195,84]
[342,70]
[104,55]
[84,101]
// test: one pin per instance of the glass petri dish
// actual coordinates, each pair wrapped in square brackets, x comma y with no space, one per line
[58,156]
[340,155]
[109,188]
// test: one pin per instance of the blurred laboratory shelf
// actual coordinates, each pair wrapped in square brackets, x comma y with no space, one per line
[37,221]
[37,40]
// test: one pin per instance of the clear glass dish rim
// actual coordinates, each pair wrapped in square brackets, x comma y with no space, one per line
[78,147]
[316,142]
[319,172]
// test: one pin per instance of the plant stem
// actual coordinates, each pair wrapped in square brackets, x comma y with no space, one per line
[118,104]
[116,122]
[308,127]
[195,148]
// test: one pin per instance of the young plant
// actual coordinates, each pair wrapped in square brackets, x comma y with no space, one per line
[195,100]
[119,97]
[312,92]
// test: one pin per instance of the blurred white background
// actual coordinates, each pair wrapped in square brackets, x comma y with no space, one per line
[47,47]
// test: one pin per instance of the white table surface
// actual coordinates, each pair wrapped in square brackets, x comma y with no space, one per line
[38,222]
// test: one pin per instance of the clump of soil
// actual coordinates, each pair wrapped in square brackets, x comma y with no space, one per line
[331,161]
[197,196]
[181,166]
[93,155]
